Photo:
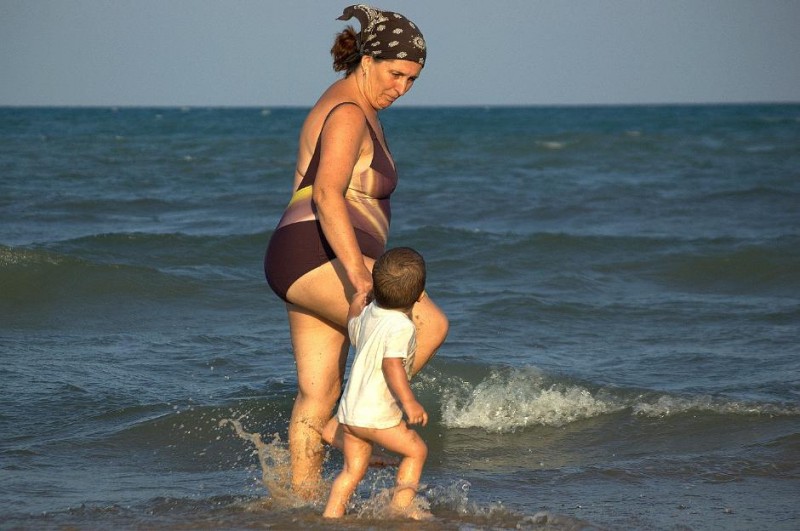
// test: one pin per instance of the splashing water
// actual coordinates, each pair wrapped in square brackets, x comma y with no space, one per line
[273,458]
[507,400]
[376,489]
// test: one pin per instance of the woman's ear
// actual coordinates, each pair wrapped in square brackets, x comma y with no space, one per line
[366,62]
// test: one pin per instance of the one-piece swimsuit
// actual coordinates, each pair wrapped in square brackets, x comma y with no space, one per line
[298,244]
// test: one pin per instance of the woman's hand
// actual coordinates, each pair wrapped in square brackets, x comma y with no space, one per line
[360,279]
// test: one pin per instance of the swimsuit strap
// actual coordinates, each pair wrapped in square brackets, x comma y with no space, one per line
[372,132]
[311,170]
[313,164]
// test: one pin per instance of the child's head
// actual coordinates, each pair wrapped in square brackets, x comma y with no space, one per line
[398,278]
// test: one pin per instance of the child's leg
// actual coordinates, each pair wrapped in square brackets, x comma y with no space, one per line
[406,442]
[333,434]
[356,459]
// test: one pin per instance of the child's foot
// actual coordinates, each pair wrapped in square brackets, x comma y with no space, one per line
[417,513]
[413,512]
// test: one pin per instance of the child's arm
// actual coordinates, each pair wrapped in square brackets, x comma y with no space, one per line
[396,378]
[357,304]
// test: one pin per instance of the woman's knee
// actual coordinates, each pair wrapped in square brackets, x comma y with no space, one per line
[313,396]
[436,328]
[317,399]
[432,321]
[442,326]
[320,351]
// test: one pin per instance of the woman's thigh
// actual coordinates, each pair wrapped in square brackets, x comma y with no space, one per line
[317,323]
[325,292]
[320,352]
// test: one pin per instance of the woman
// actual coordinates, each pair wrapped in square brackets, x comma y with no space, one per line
[337,222]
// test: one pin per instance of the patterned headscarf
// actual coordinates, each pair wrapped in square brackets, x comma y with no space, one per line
[386,35]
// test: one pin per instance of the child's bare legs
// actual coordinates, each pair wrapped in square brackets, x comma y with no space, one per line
[406,442]
[333,434]
[356,459]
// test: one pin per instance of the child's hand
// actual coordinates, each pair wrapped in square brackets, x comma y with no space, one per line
[397,380]
[415,413]
[358,302]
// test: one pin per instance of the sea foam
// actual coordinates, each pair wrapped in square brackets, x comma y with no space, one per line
[515,398]
[512,398]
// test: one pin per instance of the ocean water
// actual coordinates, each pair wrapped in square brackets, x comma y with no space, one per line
[623,285]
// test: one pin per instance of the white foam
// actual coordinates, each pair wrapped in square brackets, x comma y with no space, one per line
[10,256]
[551,144]
[667,405]
[511,399]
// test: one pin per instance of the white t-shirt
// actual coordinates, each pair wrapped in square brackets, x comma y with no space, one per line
[377,333]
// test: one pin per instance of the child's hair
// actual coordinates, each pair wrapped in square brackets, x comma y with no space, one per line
[398,278]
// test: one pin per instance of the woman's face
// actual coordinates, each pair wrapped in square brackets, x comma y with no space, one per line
[388,80]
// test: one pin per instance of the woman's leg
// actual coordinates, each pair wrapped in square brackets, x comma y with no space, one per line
[320,347]
[432,326]
[320,351]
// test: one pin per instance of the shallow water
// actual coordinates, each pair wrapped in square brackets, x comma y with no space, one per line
[623,285]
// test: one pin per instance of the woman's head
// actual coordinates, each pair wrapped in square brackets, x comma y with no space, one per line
[384,35]
[382,82]
[398,278]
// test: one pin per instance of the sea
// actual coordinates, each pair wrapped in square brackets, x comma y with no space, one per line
[622,283]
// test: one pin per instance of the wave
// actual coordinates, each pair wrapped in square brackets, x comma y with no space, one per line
[772,266]
[508,399]
[459,395]
[729,265]
[31,276]
[170,250]
[511,399]
[131,264]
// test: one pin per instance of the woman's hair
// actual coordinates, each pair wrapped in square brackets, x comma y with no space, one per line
[345,51]
[398,278]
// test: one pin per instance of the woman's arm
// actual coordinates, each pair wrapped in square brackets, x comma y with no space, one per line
[342,139]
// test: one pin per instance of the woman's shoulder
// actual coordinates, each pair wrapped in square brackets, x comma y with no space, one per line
[339,104]
[330,111]
[348,111]
[339,118]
